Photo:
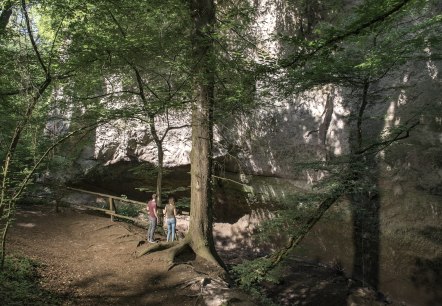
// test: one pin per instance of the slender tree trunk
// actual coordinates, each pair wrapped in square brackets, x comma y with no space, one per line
[14,142]
[160,171]
[293,241]
[27,116]
[3,244]
[361,113]
[153,131]
[365,206]
[160,155]
[4,16]
[7,201]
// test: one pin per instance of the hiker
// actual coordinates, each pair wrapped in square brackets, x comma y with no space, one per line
[153,218]
[170,215]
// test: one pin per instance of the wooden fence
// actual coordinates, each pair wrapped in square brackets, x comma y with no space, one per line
[112,211]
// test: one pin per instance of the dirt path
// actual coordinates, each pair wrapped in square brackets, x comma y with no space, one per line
[91,260]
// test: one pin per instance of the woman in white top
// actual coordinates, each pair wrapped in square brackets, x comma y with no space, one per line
[170,213]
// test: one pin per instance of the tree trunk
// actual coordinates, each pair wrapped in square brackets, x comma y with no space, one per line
[14,142]
[153,132]
[200,227]
[365,205]
[4,16]
[160,155]
[160,171]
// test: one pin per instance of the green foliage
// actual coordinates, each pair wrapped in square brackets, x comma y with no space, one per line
[183,203]
[146,189]
[19,284]
[289,220]
[235,75]
[127,209]
[365,43]
[251,273]
[345,174]
[147,170]
[90,44]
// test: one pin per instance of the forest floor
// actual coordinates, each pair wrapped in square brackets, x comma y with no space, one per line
[88,260]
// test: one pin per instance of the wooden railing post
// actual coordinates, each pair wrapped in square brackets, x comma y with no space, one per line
[111,207]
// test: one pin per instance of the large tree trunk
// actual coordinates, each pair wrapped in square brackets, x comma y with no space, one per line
[200,228]
[200,236]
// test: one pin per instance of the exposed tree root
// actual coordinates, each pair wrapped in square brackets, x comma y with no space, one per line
[154,248]
[180,264]
[174,249]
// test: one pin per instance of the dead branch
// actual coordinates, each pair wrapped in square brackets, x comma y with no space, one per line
[295,240]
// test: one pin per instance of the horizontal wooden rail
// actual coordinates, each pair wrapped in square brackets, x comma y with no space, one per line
[113,213]
[108,196]
[127,218]
[112,208]
[93,208]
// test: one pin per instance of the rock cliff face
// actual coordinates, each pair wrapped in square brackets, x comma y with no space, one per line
[265,148]
[257,156]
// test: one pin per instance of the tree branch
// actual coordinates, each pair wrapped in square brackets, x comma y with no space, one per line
[53,44]
[349,33]
[13,92]
[106,95]
[31,37]
[295,240]
[386,143]
[58,142]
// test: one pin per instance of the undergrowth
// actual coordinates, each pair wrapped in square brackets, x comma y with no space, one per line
[19,284]
[251,274]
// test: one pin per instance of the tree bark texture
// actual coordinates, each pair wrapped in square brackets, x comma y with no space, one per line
[160,155]
[200,227]
[4,16]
